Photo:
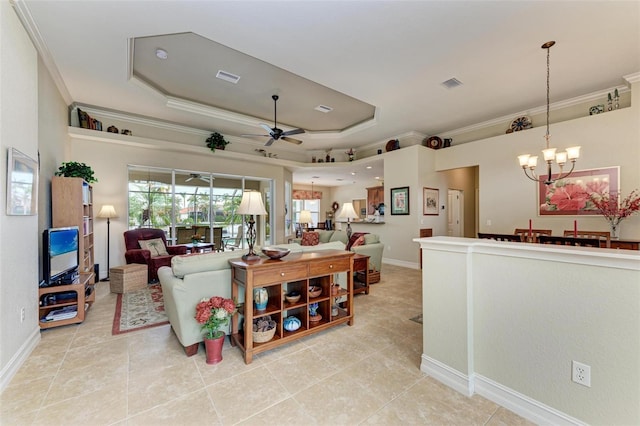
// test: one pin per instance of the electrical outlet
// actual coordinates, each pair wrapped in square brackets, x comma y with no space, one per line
[22,315]
[581,373]
[488,222]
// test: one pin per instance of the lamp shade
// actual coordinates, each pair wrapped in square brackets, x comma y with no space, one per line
[347,212]
[107,211]
[305,216]
[251,203]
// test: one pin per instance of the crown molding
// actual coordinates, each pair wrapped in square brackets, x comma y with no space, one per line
[632,78]
[24,15]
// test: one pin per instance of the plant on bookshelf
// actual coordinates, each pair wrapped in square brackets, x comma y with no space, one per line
[75,169]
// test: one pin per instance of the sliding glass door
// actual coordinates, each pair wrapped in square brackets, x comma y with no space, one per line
[190,204]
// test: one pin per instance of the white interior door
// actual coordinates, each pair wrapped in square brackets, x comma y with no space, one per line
[455,223]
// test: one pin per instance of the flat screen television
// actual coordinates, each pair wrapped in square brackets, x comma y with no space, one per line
[61,255]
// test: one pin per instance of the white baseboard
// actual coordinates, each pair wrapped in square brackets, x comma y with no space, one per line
[403,263]
[520,404]
[447,375]
[19,358]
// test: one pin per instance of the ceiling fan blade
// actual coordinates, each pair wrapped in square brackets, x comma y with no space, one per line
[253,135]
[293,132]
[292,140]
[266,127]
[269,142]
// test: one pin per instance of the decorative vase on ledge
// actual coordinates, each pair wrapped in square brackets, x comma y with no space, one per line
[615,231]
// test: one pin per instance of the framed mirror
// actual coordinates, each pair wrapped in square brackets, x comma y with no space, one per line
[22,184]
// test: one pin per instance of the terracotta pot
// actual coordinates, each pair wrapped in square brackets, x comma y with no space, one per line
[214,349]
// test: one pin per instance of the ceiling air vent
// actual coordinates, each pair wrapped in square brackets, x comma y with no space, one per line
[227,76]
[323,108]
[451,83]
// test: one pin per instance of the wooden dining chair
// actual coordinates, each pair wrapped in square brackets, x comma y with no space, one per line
[499,237]
[569,241]
[535,233]
[598,235]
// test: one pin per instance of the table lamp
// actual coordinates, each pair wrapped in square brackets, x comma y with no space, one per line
[348,213]
[251,205]
[305,217]
[107,211]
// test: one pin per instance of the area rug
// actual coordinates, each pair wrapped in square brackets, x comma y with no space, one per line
[139,309]
[417,318]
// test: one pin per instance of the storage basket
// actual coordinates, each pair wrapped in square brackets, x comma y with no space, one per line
[264,336]
[123,279]
[374,276]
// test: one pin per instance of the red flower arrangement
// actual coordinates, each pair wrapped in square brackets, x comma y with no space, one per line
[614,210]
[213,313]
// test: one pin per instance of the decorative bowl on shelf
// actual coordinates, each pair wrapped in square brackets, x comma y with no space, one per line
[315,318]
[315,291]
[275,252]
[293,296]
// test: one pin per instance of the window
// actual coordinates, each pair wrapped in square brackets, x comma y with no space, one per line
[312,205]
[186,203]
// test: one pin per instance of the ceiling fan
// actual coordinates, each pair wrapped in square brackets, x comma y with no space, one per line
[193,176]
[274,133]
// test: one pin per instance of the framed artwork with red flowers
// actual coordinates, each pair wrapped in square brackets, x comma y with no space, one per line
[573,195]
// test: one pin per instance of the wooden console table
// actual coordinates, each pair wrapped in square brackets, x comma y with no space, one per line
[295,272]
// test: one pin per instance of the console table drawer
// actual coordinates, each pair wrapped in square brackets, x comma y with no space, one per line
[324,267]
[278,275]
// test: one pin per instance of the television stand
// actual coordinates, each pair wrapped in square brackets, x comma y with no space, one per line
[84,298]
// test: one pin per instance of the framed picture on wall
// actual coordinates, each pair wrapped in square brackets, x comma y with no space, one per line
[430,201]
[571,196]
[400,200]
[22,184]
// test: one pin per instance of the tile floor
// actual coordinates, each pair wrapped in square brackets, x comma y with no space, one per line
[368,373]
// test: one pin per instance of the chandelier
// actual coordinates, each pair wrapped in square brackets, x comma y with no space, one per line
[529,162]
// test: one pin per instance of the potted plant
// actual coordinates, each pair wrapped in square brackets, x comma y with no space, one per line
[213,313]
[75,169]
[216,140]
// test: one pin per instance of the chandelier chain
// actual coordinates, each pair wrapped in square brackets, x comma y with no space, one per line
[548,97]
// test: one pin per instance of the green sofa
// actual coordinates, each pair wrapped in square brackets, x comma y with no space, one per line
[372,245]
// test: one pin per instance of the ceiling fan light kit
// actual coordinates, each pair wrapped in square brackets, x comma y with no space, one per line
[274,133]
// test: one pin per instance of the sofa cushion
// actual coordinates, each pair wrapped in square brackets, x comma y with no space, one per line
[339,236]
[155,246]
[324,235]
[192,263]
[371,239]
[334,245]
[310,239]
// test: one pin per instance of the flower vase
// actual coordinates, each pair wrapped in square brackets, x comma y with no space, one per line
[615,231]
[214,349]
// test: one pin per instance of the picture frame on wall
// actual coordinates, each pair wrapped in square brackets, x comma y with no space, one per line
[22,184]
[400,200]
[571,196]
[430,201]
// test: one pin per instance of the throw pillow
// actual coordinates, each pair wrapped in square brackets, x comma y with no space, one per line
[358,242]
[325,236]
[155,246]
[310,239]
[339,236]
[354,237]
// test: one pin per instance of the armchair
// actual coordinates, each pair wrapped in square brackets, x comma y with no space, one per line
[135,254]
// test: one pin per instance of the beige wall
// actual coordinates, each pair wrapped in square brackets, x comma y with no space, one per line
[20,236]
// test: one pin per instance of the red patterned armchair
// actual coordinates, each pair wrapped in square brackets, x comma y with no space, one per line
[155,253]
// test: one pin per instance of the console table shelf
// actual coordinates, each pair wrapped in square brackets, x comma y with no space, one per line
[296,272]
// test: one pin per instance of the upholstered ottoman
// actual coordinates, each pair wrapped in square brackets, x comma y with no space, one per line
[127,278]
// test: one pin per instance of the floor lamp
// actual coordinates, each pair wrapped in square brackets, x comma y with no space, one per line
[107,211]
[348,213]
[251,204]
